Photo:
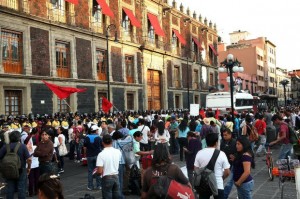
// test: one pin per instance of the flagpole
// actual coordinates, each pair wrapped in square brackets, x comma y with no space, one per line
[116,108]
[68,105]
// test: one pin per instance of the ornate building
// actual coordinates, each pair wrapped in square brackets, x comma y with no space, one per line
[165,57]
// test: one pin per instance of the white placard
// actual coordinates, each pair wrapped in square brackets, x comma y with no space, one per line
[194,109]
[42,101]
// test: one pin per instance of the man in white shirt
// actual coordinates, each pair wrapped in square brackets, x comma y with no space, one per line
[222,166]
[145,130]
[108,165]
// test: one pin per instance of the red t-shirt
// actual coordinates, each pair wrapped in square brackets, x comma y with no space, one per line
[260,125]
[284,129]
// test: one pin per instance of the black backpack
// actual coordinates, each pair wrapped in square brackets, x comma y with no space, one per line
[135,180]
[11,164]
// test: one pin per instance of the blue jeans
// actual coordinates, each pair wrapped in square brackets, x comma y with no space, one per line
[21,184]
[245,190]
[121,174]
[91,163]
[285,150]
[110,189]
[228,186]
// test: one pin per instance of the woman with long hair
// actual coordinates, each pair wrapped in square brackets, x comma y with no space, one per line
[61,139]
[161,165]
[242,165]
[49,187]
[161,135]
[183,129]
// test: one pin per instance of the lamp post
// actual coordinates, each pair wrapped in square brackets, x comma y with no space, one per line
[231,65]
[107,56]
[188,83]
[284,83]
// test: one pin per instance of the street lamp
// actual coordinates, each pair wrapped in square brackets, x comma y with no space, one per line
[284,83]
[231,65]
[107,56]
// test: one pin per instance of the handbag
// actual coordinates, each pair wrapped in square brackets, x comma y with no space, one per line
[62,150]
[128,153]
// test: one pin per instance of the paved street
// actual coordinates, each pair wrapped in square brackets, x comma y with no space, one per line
[75,182]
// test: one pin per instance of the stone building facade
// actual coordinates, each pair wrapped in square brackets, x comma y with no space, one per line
[165,56]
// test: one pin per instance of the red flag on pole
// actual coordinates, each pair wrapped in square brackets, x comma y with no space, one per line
[217,114]
[202,113]
[106,105]
[63,92]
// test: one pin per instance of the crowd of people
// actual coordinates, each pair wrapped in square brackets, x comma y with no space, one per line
[105,142]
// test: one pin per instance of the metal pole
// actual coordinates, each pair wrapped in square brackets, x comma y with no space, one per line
[188,83]
[231,92]
[107,68]
[284,92]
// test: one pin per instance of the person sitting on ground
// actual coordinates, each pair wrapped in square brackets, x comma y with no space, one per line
[49,187]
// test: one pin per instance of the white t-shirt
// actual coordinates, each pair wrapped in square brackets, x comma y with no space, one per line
[204,156]
[109,159]
[165,136]
[145,132]
[56,142]
[62,137]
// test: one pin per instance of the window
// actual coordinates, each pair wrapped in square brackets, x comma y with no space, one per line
[63,105]
[12,51]
[63,59]
[196,79]
[129,65]
[96,12]
[14,4]
[130,101]
[100,96]
[101,64]
[195,51]
[13,102]
[126,23]
[211,79]
[151,33]
[176,76]
[177,101]
[58,11]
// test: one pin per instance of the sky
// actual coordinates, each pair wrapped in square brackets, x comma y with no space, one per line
[277,20]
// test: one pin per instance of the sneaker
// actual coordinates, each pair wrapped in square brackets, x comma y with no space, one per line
[99,188]
[88,188]
[61,171]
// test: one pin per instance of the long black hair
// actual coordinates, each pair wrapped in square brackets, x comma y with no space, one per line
[161,155]
[183,125]
[160,127]
[246,149]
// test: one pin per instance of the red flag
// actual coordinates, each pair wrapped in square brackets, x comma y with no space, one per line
[63,92]
[217,114]
[202,113]
[106,105]
[73,1]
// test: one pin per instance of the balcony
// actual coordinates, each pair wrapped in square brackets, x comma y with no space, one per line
[16,5]
[61,15]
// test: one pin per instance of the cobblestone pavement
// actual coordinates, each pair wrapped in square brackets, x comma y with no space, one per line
[75,182]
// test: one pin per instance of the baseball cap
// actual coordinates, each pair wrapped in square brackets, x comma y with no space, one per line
[94,128]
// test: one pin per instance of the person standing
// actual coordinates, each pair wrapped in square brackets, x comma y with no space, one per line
[61,140]
[183,129]
[242,168]
[228,146]
[44,151]
[24,156]
[145,130]
[221,168]
[107,166]
[92,147]
[173,128]
[261,126]
[282,137]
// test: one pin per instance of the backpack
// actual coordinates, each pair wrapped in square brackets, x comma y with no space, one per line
[164,186]
[128,153]
[205,179]
[293,137]
[253,136]
[11,163]
[135,180]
